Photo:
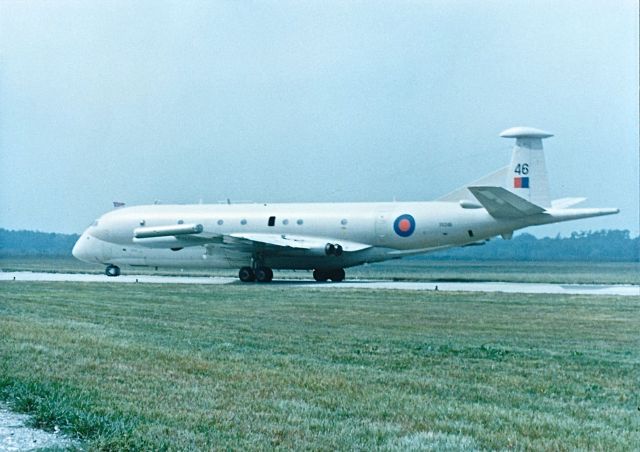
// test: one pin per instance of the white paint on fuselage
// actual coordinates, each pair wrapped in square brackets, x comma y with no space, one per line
[438,225]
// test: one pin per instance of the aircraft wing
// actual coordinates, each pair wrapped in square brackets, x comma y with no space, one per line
[195,235]
[281,242]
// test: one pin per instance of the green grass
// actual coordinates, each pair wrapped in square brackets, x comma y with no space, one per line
[399,270]
[243,366]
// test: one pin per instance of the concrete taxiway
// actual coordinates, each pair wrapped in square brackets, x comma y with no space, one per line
[507,287]
[16,436]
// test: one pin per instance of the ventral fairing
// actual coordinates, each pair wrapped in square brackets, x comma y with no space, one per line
[329,237]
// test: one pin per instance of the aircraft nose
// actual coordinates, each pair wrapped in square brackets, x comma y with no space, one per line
[81,250]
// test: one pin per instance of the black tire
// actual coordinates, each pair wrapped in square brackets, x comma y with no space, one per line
[337,275]
[320,276]
[112,271]
[246,274]
[264,274]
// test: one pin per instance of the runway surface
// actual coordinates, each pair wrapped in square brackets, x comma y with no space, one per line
[16,436]
[582,289]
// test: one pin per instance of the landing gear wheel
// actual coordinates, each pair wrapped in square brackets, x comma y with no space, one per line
[264,274]
[320,275]
[246,274]
[112,270]
[337,275]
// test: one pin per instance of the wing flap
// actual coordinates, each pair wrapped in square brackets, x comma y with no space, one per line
[501,203]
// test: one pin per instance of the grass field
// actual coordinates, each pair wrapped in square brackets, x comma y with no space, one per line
[402,270]
[243,366]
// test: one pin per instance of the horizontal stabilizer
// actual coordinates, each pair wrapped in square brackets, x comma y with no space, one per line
[565,203]
[501,203]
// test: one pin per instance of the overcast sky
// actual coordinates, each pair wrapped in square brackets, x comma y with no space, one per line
[309,101]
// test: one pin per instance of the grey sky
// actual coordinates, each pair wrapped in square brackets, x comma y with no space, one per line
[308,101]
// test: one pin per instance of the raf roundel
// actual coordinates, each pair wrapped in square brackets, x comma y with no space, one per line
[404,225]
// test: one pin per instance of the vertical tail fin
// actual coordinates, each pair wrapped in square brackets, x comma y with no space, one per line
[527,174]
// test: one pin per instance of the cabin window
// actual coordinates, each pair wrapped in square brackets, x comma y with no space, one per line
[243,221]
[272,221]
[285,222]
[300,222]
[220,222]
[344,222]
[180,221]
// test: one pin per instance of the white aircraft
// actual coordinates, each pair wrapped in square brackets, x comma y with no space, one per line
[329,237]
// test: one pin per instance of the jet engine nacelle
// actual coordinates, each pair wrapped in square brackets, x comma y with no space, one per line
[332,249]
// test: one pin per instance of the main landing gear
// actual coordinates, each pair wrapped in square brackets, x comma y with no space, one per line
[260,274]
[112,270]
[335,275]
[265,275]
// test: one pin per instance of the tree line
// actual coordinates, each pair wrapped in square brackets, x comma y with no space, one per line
[605,245]
[35,243]
[611,245]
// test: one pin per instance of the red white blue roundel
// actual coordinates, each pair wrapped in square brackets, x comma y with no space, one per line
[404,225]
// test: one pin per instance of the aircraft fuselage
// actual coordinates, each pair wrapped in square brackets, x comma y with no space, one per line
[429,226]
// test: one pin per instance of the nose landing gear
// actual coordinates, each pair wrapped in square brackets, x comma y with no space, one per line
[112,270]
